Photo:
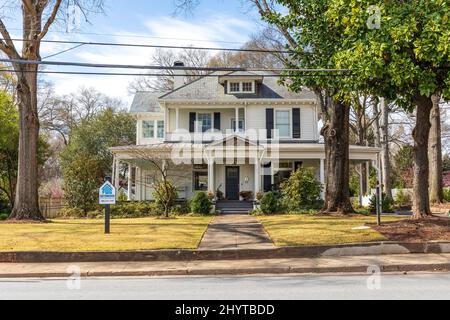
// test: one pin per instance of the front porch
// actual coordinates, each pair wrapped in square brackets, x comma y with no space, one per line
[227,171]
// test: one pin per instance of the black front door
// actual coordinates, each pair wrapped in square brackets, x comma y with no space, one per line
[232,183]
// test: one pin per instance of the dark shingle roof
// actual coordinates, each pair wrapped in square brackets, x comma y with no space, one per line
[209,88]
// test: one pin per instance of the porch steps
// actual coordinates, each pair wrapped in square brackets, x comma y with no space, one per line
[237,207]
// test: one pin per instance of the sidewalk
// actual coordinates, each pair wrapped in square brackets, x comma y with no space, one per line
[236,231]
[388,263]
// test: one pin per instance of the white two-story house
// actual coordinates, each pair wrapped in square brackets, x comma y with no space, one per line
[229,131]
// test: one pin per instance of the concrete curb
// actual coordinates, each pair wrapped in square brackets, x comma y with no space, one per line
[379,248]
[445,267]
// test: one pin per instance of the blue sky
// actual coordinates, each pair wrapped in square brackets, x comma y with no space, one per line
[218,23]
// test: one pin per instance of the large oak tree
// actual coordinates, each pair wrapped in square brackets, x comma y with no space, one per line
[405,60]
[38,16]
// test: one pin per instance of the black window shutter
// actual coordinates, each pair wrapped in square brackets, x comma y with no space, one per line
[296,123]
[267,183]
[192,119]
[217,124]
[225,86]
[270,124]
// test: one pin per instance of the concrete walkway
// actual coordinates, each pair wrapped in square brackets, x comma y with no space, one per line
[387,263]
[236,231]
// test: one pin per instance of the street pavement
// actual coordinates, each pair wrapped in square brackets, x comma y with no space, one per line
[317,287]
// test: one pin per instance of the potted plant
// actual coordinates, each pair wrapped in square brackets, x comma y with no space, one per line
[246,195]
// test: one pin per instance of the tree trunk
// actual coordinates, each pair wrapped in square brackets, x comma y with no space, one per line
[336,133]
[26,204]
[435,154]
[385,154]
[421,135]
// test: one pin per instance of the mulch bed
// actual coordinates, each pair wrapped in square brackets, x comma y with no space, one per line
[431,229]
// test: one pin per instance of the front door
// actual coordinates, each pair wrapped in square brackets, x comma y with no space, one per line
[232,183]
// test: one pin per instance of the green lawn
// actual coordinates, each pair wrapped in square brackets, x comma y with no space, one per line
[87,235]
[295,230]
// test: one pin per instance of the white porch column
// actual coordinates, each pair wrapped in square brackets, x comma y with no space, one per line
[211,186]
[130,182]
[177,119]
[237,120]
[117,176]
[322,177]
[166,122]
[257,176]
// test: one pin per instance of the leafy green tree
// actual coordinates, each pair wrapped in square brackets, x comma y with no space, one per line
[90,143]
[403,58]
[313,45]
[9,146]
[301,190]
[81,182]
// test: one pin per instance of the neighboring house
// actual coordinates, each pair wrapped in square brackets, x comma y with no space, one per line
[246,133]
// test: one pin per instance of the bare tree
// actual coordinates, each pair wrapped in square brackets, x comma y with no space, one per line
[38,16]
[62,114]
[167,177]
[167,58]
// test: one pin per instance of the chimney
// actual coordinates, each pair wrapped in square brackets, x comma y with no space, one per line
[178,79]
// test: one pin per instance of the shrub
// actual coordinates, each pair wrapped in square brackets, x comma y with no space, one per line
[201,204]
[447,194]
[182,208]
[301,190]
[269,203]
[165,195]
[387,204]
[72,213]
[135,210]
[403,198]
[4,216]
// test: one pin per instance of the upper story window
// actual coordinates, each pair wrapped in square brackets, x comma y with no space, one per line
[205,122]
[283,123]
[153,129]
[247,87]
[241,87]
[235,87]
[148,129]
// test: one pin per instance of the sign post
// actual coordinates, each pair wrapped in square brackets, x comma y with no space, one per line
[107,197]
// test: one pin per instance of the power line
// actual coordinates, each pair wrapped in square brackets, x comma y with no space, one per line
[134,36]
[146,67]
[90,43]
[156,74]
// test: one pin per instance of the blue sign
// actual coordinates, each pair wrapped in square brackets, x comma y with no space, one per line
[107,194]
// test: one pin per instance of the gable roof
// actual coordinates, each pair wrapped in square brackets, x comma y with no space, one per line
[209,88]
[146,102]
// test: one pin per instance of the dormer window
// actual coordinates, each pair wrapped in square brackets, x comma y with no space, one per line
[247,87]
[241,87]
[235,87]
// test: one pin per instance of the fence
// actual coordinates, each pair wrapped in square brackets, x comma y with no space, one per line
[51,208]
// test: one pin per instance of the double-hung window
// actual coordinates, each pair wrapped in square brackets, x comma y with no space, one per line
[235,87]
[241,124]
[205,122]
[283,123]
[153,129]
[148,129]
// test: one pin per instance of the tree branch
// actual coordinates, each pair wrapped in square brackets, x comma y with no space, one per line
[50,20]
